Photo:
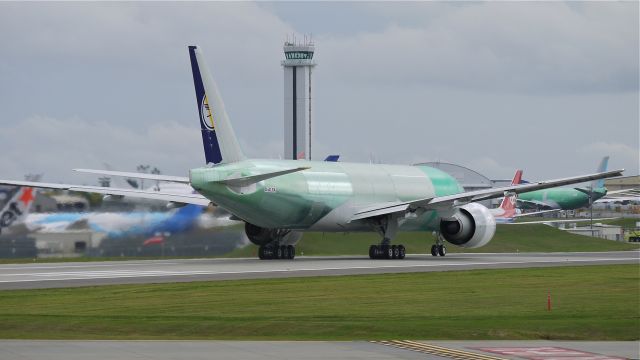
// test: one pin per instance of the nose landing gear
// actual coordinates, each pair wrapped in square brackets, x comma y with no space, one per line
[438,248]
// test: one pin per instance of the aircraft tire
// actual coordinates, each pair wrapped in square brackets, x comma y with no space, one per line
[373,252]
[434,250]
[261,254]
[442,250]
[394,252]
[291,252]
[402,252]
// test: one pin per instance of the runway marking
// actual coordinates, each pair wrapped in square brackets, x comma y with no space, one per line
[114,274]
[436,350]
[547,353]
[88,264]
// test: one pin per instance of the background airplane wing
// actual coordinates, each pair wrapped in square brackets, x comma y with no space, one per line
[178,179]
[195,199]
[533,203]
[552,221]
[448,201]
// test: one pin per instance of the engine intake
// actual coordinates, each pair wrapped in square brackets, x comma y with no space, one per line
[263,236]
[471,226]
[258,235]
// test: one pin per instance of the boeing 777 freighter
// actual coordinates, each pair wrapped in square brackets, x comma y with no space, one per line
[280,199]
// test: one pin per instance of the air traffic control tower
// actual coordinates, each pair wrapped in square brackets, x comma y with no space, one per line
[297,65]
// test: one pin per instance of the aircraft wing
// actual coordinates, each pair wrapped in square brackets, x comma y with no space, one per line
[534,203]
[448,201]
[557,221]
[195,199]
[535,213]
[178,179]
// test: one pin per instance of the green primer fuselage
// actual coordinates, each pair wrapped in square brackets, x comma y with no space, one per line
[563,198]
[325,196]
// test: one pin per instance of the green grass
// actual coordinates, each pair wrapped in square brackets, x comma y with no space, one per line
[589,303]
[508,238]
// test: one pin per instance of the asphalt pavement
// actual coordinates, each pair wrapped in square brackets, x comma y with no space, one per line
[70,274]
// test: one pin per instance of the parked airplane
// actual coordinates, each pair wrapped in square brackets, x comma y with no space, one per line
[118,224]
[278,199]
[15,218]
[565,198]
[16,208]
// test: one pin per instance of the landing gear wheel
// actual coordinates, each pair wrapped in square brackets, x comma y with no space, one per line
[401,252]
[434,250]
[261,254]
[373,252]
[395,252]
[291,252]
[387,252]
[277,253]
[442,250]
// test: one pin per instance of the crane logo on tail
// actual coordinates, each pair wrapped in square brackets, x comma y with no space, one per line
[206,116]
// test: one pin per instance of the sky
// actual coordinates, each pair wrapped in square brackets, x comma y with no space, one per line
[548,87]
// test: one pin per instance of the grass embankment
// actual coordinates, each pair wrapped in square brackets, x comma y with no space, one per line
[589,303]
[508,238]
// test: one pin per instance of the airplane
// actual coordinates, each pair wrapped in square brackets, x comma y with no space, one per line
[118,224]
[15,218]
[16,209]
[564,198]
[278,200]
[507,212]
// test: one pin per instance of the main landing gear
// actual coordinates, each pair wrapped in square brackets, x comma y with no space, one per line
[270,252]
[387,251]
[438,248]
[387,227]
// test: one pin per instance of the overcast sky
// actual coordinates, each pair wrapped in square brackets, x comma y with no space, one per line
[548,87]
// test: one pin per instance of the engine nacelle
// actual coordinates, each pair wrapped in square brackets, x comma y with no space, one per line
[258,235]
[471,226]
[262,236]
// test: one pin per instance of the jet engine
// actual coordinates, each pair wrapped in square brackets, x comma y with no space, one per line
[471,226]
[263,236]
[259,235]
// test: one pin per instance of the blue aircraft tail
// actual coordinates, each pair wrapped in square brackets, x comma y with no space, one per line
[219,141]
[598,184]
[209,140]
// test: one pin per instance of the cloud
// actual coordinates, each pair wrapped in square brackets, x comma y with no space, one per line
[620,154]
[55,146]
[507,47]
[519,83]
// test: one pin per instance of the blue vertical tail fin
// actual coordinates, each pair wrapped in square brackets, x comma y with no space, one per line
[598,184]
[218,139]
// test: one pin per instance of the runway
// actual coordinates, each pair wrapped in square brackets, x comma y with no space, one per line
[264,350]
[52,275]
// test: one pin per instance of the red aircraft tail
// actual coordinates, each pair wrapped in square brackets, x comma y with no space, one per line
[509,202]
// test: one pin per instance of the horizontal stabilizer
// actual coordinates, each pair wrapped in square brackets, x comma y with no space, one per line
[252,179]
[178,179]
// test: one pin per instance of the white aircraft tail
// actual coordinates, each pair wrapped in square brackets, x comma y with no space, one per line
[219,140]
[17,207]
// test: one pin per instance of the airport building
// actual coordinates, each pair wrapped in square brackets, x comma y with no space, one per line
[298,65]
[623,183]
